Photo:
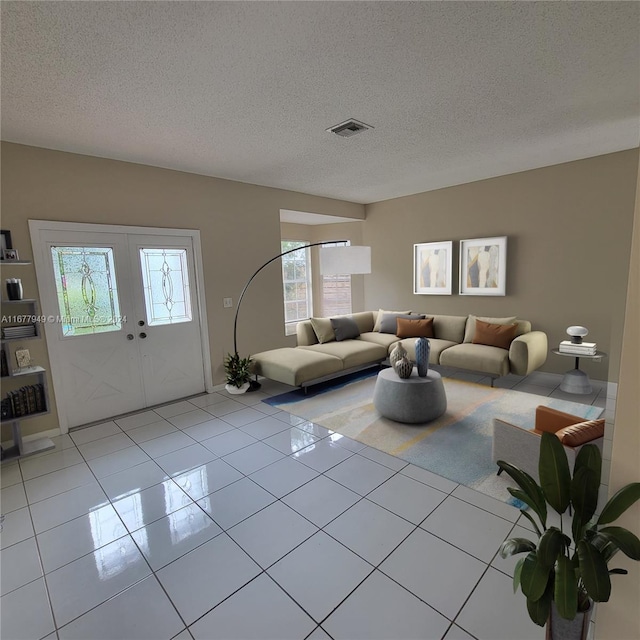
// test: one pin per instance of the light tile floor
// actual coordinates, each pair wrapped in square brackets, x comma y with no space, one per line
[223,518]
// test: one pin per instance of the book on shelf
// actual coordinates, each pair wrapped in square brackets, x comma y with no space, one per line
[4,365]
[577,352]
[586,352]
[19,331]
[578,345]
[26,401]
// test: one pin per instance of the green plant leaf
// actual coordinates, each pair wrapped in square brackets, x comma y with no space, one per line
[534,577]
[618,572]
[626,541]
[516,545]
[619,503]
[589,457]
[539,609]
[530,488]
[517,572]
[551,545]
[566,589]
[553,468]
[594,572]
[532,521]
[522,496]
[584,496]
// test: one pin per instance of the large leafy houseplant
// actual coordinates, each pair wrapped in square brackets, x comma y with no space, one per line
[568,568]
[238,370]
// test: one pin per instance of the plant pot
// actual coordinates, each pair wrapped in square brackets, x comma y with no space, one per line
[231,388]
[559,628]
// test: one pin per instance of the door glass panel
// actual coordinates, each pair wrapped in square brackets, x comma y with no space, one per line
[86,289]
[165,278]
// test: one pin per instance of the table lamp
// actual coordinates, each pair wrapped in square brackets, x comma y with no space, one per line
[577,333]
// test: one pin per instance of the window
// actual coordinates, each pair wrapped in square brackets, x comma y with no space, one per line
[167,295]
[296,281]
[336,291]
[86,287]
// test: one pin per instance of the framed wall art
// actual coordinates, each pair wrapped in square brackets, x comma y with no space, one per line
[432,263]
[483,266]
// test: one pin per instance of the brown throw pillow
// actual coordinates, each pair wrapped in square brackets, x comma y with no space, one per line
[415,328]
[495,335]
[581,433]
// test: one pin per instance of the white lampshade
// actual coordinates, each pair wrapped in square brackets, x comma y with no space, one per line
[342,260]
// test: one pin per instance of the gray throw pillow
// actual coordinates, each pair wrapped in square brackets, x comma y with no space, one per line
[389,324]
[345,328]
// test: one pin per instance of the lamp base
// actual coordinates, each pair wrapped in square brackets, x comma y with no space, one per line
[576,381]
[254,385]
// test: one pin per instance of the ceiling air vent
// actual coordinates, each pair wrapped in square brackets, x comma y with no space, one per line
[349,128]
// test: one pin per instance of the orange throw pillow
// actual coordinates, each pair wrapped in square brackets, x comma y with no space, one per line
[581,433]
[415,328]
[495,335]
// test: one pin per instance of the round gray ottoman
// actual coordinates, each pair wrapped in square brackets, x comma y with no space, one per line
[413,400]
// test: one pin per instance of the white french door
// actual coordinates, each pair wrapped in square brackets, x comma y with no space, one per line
[124,329]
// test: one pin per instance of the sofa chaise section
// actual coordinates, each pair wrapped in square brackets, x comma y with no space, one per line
[296,367]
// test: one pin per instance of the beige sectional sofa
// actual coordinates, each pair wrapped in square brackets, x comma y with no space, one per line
[313,361]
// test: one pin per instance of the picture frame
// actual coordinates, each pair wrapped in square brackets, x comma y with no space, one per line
[23,358]
[432,268]
[10,254]
[483,266]
[5,242]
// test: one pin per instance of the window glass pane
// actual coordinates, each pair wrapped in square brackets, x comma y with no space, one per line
[165,280]
[336,291]
[296,273]
[86,289]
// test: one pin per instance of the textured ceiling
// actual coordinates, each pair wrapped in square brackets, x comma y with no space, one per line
[456,91]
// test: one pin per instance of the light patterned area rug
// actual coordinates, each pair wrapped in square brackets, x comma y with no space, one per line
[456,446]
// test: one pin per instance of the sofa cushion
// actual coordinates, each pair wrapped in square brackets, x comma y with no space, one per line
[364,319]
[389,322]
[581,433]
[437,347]
[414,327]
[382,312]
[449,327]
[345,328]
[353,353]
[494,335]
[385,339]
[470,330]
[323,329]
[295,366]
[477,357]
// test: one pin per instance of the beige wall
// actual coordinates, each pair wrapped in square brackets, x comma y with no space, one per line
[239,225]
[569,229]
[619,619]
[324,232]
[569,237]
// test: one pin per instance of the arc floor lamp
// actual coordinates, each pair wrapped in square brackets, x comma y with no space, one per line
[334,260]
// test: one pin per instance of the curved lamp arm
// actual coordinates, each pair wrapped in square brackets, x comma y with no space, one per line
[268,262]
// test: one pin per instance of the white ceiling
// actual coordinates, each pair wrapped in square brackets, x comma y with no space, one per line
[456,91]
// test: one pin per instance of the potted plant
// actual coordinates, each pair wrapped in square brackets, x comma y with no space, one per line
[238,372]
[564,572]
